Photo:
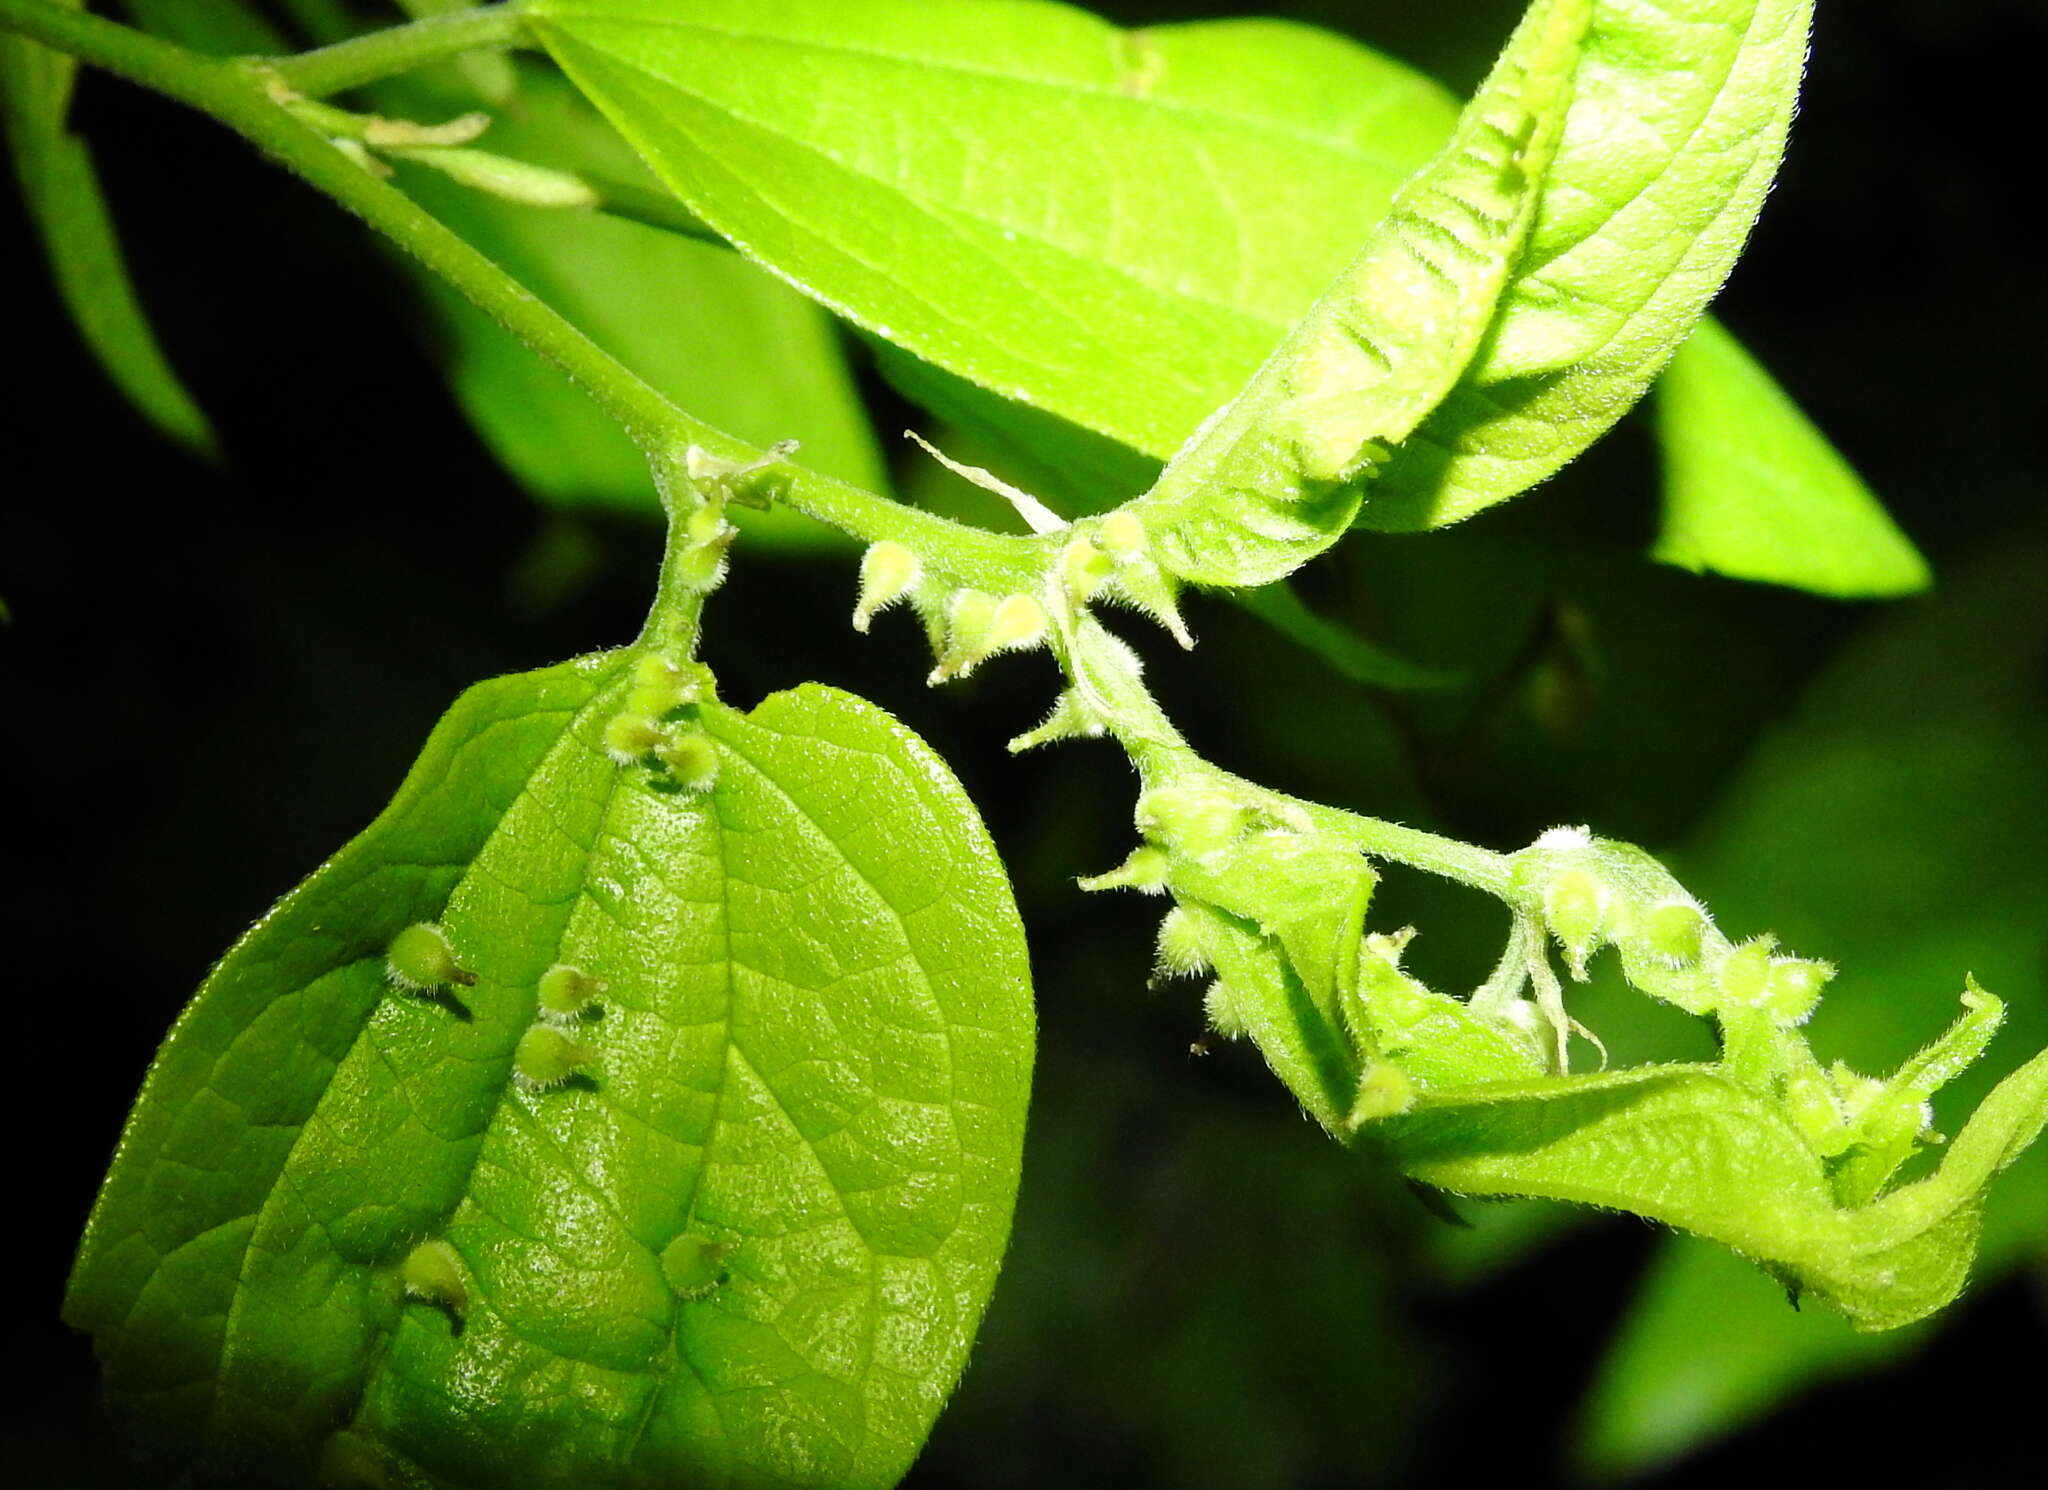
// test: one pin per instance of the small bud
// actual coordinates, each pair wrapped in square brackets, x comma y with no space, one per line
[567,990]
[1855,1091]
[1070,719]
[970,619]
[433,1273]
[406,134]
[1219,1005]
[1084,569]
[694,1266]
[1180,953]
[546,1057]
[632,737]
[1019,622]
[1144,871]
[1675,930]
[888,572]
[700,565]
[691,759]
[657,687]
[1191,817]
[1575,905]
[1746,971]
[730,475]
[1793,988]
[1146,586]
[1122,535]
[420,958]
[1384,1091]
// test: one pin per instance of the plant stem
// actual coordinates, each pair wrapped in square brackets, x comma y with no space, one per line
[238,95]
[396,49]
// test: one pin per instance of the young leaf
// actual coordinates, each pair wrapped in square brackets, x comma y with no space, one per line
[1753,490]
[1689,1147]
[62,192]
[1678,118]
[1114,227]
[1956,880]
[728,1214]
[1276,475]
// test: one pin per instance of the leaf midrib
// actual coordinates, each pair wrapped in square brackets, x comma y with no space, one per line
[1244,123]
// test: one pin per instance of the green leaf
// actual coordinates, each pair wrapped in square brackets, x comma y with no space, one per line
[713,332]
[1678,119]
[1276,475]
[1694,1149]
[62,192]
[1113,227]
[1344,650]
[1953,879]
[1753,490]
[722,1204]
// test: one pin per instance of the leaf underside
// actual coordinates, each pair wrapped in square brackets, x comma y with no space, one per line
[807,1064]
[62,191]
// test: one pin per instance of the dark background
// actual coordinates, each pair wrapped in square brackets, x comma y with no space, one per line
[213,677]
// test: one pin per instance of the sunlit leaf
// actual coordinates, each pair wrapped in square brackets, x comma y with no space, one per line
[1679,113]
[689,1158]
[1110,226]
[1753,490]
[1276,475]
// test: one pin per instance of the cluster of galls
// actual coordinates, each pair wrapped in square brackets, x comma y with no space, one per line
[422,960]
[658,725]
[1106,558]
[1592,893]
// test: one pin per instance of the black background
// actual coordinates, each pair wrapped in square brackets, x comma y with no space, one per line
[213,677]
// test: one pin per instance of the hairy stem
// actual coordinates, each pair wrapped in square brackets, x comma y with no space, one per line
[238,95]
[396,49]
[243,95]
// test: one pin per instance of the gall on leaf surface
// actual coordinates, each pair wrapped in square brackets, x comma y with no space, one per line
[805,1053]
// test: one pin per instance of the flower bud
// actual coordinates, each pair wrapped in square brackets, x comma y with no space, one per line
[1191,817]
[1019,622]
[888,572]
[1143,871]
[1122,535]
[970,620]
[1070,719]
[1384,1091]
[1084,569]
[1746,971]
[1575,905]
[1793,987]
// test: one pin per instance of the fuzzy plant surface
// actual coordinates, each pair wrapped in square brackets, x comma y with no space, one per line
[640,1099]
